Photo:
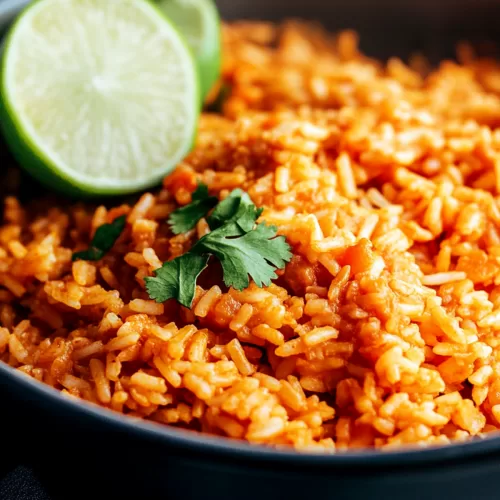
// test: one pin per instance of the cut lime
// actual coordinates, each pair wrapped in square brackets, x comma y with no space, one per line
[198,21]
[98,96]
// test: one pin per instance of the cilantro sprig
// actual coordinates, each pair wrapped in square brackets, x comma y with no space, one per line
[104,239]
[185,218]
[171,279]
[237,208]
[257,254]
[244,248]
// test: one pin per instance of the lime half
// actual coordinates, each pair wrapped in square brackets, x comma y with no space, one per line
[98,96]
[198,21]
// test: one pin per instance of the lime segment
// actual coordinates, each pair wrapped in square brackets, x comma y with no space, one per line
[198,21]
[98,97]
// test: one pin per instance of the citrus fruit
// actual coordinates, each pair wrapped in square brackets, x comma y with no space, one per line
[198,21]
[98,97]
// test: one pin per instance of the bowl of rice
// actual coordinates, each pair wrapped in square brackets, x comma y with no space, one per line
[370,362]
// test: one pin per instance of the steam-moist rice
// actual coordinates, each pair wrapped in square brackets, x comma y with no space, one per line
[383,329]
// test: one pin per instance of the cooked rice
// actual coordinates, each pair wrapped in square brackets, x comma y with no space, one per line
[381,331]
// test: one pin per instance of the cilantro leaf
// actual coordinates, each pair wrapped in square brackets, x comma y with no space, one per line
[185,218]
[200,193]
[176,279]
[244,248]
[104,239]
[238,209]
[257,253]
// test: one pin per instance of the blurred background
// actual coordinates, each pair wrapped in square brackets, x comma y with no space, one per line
[387,27]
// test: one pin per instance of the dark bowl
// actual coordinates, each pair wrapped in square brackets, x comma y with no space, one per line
[84,451]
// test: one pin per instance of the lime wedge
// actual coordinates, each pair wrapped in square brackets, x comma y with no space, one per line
[198,21]
[98,96]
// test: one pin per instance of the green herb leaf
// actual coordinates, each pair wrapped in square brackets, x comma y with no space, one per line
[176,279]
[245,249]
[104,239]
[257,253]
[237,208]
[185,218]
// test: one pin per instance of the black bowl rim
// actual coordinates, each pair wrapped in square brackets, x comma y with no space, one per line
[225,449]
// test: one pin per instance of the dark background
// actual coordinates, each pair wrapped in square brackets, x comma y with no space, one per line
[387,27]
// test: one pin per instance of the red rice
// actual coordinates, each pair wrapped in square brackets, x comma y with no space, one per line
[383,328]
